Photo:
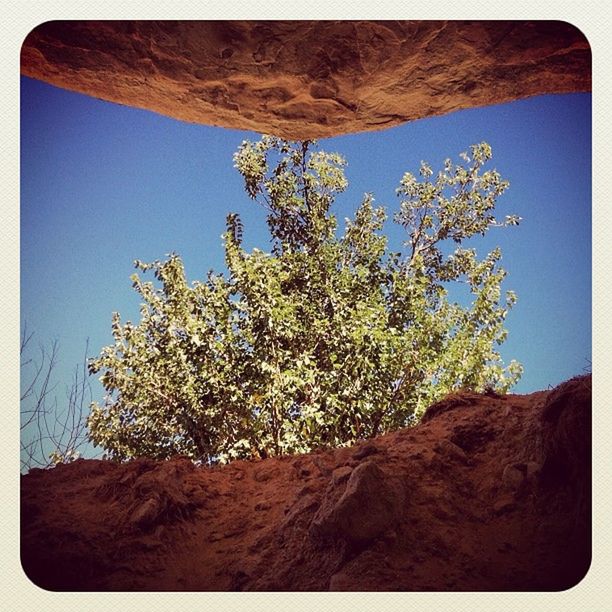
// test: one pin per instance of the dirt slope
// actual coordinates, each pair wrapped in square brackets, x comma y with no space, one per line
[488,493]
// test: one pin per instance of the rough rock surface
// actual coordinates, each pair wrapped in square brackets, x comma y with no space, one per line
[488,493]
[361,510]
[308,79]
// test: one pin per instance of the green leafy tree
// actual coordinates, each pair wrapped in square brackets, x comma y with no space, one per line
[325,340]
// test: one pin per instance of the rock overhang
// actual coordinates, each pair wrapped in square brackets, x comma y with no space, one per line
[308,79]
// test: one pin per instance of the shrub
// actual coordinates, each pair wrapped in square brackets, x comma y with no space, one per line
[325,340]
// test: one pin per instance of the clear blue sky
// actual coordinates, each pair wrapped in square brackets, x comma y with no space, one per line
[103,184]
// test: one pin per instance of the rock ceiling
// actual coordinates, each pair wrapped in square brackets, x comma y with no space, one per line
[308,79]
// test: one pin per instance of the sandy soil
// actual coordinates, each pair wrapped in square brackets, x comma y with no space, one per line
[487,493]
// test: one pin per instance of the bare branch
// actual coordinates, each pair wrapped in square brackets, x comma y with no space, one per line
[56,435]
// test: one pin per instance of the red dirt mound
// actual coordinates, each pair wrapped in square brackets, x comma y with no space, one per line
[487,493]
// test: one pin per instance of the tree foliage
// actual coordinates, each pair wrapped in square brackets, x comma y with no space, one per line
[327,339]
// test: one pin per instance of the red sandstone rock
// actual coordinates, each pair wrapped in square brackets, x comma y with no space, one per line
[360,511]
[308,79]
[489,493]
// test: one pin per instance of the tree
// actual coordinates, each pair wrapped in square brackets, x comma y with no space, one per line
[323,341]
[51,433]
